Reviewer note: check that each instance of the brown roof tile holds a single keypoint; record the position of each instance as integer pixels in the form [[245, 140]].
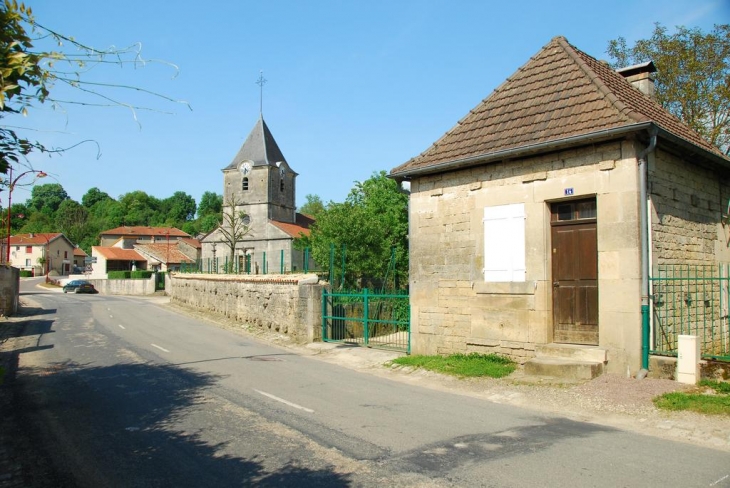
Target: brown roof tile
[[164, 253], [145, 231], [560, 93], [36, 239], [118, 254], [295, 229]]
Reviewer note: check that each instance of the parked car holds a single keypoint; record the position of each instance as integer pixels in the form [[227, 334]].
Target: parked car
[[79, 286]]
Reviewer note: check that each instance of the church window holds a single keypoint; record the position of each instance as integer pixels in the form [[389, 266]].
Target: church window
[[244, 184], [281, 185]]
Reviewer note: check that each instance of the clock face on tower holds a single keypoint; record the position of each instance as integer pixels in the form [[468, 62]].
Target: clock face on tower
[[246, 168]]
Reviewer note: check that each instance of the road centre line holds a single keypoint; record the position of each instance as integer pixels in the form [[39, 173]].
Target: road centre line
[[285, 402], [121, 326], [160, 348]]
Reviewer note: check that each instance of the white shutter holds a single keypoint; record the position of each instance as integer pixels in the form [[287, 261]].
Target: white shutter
[[504, 243]]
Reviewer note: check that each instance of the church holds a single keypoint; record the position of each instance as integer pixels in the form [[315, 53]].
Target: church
[[259, 206]]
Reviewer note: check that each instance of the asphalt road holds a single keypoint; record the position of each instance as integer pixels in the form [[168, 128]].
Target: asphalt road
[[119, 391]]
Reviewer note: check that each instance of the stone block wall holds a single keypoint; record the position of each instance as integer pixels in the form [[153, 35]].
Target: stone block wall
[[688, 203], [288, 304], [9, 290]]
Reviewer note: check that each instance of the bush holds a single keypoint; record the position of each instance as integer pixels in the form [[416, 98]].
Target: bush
[[24, 273], [141, 275], [119, 275]]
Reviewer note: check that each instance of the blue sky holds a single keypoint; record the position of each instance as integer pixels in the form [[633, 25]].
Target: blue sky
[[353, 87]]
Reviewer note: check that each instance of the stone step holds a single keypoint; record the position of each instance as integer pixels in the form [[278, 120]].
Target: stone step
[[572, 351], [563, 368]]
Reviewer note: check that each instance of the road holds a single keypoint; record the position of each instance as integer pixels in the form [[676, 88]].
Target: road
[[120, 391]]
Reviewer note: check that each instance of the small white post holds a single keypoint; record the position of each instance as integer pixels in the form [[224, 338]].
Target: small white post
[[688, 359]]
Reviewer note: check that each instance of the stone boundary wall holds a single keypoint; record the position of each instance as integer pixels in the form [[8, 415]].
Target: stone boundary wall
[[9, 290], [288, 304], [119, 287]]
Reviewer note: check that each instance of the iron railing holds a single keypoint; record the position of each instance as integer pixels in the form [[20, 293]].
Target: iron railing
[[359, 317], [248, 264], [691, 300]]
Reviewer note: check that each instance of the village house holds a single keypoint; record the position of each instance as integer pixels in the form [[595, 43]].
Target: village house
[[260, 184], [129, 248], [539, 220], [42, 253]]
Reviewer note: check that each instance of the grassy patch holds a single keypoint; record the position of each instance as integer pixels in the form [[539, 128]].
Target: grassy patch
[[715, 400], [462, 365]]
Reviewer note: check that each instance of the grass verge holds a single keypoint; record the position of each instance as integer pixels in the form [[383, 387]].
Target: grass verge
[[462, 365], [711, 398]]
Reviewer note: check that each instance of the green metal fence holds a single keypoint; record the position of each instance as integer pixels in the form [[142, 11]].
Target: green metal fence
[[248, 264], [375, 320], [691, 300]]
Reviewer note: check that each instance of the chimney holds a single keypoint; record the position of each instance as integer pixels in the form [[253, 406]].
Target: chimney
[[640, 75]]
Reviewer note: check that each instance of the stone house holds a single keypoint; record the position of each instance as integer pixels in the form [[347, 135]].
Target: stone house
[[143, 248], [42, 253], [536, 221], [260, 183]]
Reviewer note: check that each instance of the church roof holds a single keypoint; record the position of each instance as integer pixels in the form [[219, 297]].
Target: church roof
[[561, 96], [260, 147], [296, 229]]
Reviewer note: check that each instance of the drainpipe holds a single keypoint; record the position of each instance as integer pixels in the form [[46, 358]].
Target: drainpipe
[[644, 225]]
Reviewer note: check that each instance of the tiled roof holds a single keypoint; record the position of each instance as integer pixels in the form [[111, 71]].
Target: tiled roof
[[163, 253], [190, 241], [142, 231], [560, 93], [259, 147], [118, 254], [295, 229], [41, 238], [79, 252]]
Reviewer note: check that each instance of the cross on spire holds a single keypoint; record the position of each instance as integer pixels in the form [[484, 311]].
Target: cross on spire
[[261, 82]]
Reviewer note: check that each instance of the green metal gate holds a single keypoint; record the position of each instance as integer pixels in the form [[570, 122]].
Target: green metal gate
[[374, 320], [692, 300]]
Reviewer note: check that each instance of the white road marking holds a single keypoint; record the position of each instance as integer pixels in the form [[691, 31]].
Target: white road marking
[[285, 402], [721, 479], [121, 326], [160, 348]]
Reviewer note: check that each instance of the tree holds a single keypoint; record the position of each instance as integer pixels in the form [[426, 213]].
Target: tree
[[313, 206], [93, 196], [235, 226], [47, 198], [72, 219], [210, 203], [372, 225], [178, 209], [29, 75], [693, 76], [140, 208]]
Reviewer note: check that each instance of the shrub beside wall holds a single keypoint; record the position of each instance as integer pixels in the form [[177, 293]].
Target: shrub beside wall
[[119, 275]]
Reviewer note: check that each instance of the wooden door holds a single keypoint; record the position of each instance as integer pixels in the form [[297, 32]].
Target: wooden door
[[575, 272]]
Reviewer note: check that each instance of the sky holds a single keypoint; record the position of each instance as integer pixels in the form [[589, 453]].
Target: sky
[[352, 87]]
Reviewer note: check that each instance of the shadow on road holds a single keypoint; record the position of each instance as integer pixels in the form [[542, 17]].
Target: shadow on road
[[120, 425]]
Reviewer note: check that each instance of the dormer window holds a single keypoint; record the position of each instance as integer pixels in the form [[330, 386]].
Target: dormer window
[[244, 184]]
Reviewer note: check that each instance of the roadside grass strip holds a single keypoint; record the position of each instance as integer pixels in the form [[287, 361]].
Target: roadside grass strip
[[462, 365], [710, 398]]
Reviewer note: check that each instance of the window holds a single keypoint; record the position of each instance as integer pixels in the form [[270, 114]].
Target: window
[[281, 185], [29, 249], [577, 210], [244, 184], [504, 243], [65, 254], [27, 262]]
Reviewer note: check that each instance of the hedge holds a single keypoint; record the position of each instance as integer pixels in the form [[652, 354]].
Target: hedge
[[126, 275], [24, 273]]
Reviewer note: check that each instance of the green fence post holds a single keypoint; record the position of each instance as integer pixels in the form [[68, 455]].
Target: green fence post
[[306, 260], [324, 315], [344, 249], [281, 262], [366, 313]]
